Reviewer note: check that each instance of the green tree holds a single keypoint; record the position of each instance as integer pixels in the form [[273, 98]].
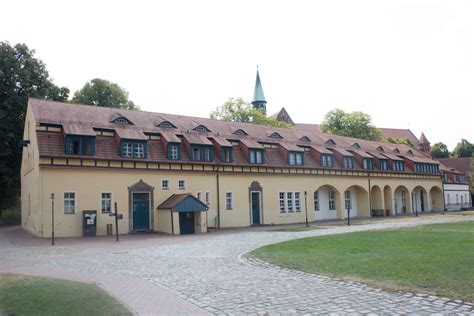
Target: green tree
[[439, 150], [463, 149], [22, 75], [104, 93], [354, 124], [400, 140], [238, 110]]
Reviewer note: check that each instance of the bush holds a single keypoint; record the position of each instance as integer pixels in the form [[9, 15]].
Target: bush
[[11, 216]]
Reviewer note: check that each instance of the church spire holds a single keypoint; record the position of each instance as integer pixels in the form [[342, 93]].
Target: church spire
[[258, 100]]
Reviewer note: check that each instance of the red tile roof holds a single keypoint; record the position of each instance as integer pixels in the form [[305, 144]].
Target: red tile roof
[[78, 129], [107, 147], [461, 164]]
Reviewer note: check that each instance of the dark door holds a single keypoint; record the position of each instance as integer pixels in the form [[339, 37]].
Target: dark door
[[186, 223], [141, 211], [255, 208]]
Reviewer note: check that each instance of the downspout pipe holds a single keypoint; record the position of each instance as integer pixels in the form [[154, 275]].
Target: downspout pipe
[[218, 200], [370, 195]]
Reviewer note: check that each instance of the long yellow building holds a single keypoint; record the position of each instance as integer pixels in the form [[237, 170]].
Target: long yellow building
[[179, 174]]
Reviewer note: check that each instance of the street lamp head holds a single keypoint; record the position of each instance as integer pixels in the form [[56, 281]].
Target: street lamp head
[[305, 193], [52, 196]]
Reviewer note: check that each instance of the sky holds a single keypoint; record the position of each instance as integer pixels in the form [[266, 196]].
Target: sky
[[408, 64]]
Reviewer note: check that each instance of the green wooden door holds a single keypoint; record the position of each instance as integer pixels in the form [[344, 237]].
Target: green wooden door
[[141, 211], [255, 208], [186, 223]]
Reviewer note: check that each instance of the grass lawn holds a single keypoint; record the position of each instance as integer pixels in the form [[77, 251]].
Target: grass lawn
[[24, 295], [436, 259]]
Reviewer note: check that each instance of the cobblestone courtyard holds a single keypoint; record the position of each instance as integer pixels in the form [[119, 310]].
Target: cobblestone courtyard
[[213, 273]]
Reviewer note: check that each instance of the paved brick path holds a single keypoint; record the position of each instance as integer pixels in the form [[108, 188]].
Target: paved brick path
[[214, 275]]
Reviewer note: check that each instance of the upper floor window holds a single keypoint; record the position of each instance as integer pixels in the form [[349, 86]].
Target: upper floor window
[[255, 155], [348, 162], [106, 202], [462, 178], [181, 184], [368, 164], [330, 142], [295, 159], [275, 135], [121, 121], [380, 148], [383, 164], [129, 149], [80, 145], [305, 139], [445, 177], [174, 151], [327, 161], [240, 132], [201, 153], [226, 154], [201, 128], [166, 124], [398, 165], [356, 145]]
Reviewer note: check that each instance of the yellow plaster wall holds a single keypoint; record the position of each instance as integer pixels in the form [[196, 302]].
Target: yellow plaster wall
[[31, 179], [163, 221], [89, 183]]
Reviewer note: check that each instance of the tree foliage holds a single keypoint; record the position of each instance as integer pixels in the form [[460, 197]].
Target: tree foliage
[[463, 149], [354, 124], [400, 140], [104, 93], [439, 150], [21, 76], [238, 110]]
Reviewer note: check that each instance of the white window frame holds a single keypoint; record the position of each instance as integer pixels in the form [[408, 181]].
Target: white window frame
[[297, 203], [292, 159], [167, 186], [139, 150], [102, 199], [348, 199], [282, 201], [74, 200], [229, 201], [299, 159], [316, 201], [199, 195], [332, 200], [289, 202], [128, 150], [181, 187], [174, 152]]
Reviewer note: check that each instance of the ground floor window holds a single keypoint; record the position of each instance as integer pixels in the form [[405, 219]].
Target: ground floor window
[[404, 198], [106, 202], [298, 201], [289, 201], [332, 200], [316, 201], [69, 202], [228, 201], [347, 200], [282, 202], [208, 198]]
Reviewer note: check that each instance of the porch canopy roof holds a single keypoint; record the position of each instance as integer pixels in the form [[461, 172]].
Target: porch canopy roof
[[185, 202]]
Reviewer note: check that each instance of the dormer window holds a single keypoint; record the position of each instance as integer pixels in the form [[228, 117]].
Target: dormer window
[[201, 128], [201, 153], [380, 148], [396, 150], [295, 158], [80, 145], [327, 161], [330, 142], [256, 156], [368, 164], [166, 124], [305, 139], [275, 135], [410, 152], [121, 120], [355, 145], [240, 132]]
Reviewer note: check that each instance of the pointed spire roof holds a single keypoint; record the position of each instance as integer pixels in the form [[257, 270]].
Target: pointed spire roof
[[423, 139], [258, 95]]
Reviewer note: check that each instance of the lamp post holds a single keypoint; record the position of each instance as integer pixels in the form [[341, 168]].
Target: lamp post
[[52, 218], [306, 207], [348, 217]]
